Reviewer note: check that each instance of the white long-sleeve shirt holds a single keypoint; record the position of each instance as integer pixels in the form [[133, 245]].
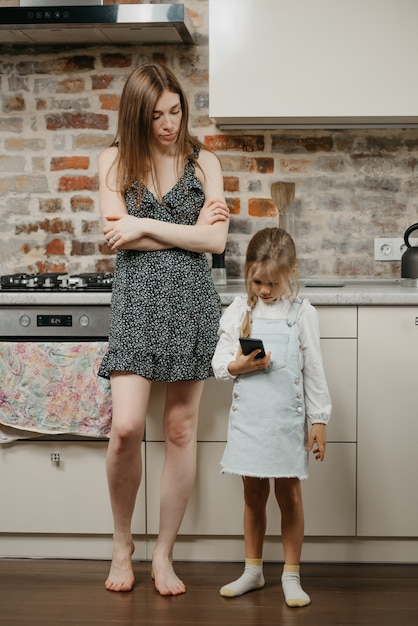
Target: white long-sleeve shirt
[[317, 398]]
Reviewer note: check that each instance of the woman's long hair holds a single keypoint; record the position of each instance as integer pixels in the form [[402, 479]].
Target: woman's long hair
[[136, 156], [271, 250]]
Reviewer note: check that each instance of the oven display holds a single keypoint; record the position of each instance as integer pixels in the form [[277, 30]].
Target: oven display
[[74, 322], [54, 320]]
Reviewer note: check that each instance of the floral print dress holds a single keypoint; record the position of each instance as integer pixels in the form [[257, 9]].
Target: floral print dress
[[165, 310]]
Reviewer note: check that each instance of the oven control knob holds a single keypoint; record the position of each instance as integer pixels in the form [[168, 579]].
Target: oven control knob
[[24, 320], [84, 320]]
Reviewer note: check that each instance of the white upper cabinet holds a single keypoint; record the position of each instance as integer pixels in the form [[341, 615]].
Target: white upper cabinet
[[313, 63]]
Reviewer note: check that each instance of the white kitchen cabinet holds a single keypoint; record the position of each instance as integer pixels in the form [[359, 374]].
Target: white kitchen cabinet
[[216, 504], [67, 503], [338, 330], [330, 492], [278, 63], [388, 422], [70, 495]]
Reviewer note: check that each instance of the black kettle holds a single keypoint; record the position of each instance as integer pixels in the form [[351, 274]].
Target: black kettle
[[409, 261]]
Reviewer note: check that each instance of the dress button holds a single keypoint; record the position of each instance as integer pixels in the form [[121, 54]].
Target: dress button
[[236, 394], [299, 409], [298, 395], [234, 407]]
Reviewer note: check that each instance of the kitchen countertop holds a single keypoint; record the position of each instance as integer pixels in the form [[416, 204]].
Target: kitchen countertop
[[331, 292], [320, 292]]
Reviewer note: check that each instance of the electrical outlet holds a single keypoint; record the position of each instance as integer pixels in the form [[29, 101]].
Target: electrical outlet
[[399, 246], [391, 248], [383, 249]]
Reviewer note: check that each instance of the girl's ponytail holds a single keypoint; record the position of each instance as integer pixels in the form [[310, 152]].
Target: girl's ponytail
[[246, 324], [246, 321]]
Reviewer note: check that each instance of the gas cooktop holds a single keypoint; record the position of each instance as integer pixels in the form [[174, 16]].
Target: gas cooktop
[[88, 281]]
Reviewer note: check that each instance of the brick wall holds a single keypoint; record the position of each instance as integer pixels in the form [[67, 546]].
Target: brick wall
[[58, 110]]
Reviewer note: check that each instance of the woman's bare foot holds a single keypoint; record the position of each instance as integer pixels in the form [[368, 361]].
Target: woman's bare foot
[[166, 581], [121, 576]]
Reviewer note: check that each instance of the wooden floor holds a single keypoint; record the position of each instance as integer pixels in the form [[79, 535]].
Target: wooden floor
[[71, 592]]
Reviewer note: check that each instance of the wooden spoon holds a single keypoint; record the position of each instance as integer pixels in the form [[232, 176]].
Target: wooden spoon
[[283, 194]]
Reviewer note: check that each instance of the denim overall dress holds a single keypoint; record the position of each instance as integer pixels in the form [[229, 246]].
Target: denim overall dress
[[267, 430]]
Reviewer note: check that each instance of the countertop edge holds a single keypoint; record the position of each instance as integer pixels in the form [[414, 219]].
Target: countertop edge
[[361, 293], [390, 293]]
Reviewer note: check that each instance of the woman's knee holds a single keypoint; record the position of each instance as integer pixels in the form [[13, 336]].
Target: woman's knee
[[180, 429], [181, 412], [130, 397], [126, 433], [125, 448]]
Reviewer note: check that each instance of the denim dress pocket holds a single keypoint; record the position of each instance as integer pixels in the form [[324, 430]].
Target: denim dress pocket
[[278, 345]]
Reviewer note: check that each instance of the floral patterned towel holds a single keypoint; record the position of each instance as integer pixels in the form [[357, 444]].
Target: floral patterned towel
[[53, 388]]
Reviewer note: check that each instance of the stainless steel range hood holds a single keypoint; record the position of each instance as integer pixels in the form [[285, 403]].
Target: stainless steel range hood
[[96, 24]]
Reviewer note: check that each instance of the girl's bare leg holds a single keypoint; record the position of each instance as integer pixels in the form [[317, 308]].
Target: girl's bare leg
[[130, 396], [256, 492], [180, 430], [289, 497]]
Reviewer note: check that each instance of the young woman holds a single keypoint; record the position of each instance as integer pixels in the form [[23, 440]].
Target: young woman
[[275, 398], [161, 199]]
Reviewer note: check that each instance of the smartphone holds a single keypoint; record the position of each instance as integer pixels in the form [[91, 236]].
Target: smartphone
[[248, 345]]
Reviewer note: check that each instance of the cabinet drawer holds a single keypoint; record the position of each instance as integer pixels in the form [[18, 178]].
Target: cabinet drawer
[[329, 495], [337, 321], [39, 495], [340, 365]]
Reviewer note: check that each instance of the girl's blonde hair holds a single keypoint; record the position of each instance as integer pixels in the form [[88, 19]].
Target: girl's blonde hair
[[271, 250], [136, 156]]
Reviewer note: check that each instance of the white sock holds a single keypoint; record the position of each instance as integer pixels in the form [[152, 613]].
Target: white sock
[[293, 592], [252, 578]]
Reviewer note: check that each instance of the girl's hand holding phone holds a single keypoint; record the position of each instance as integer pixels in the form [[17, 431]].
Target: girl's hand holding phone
[[250, 362]]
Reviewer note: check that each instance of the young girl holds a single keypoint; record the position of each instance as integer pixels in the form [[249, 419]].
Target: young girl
[[274, 400]]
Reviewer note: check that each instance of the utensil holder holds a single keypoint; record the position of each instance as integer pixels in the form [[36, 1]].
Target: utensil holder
[[287, 222]]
